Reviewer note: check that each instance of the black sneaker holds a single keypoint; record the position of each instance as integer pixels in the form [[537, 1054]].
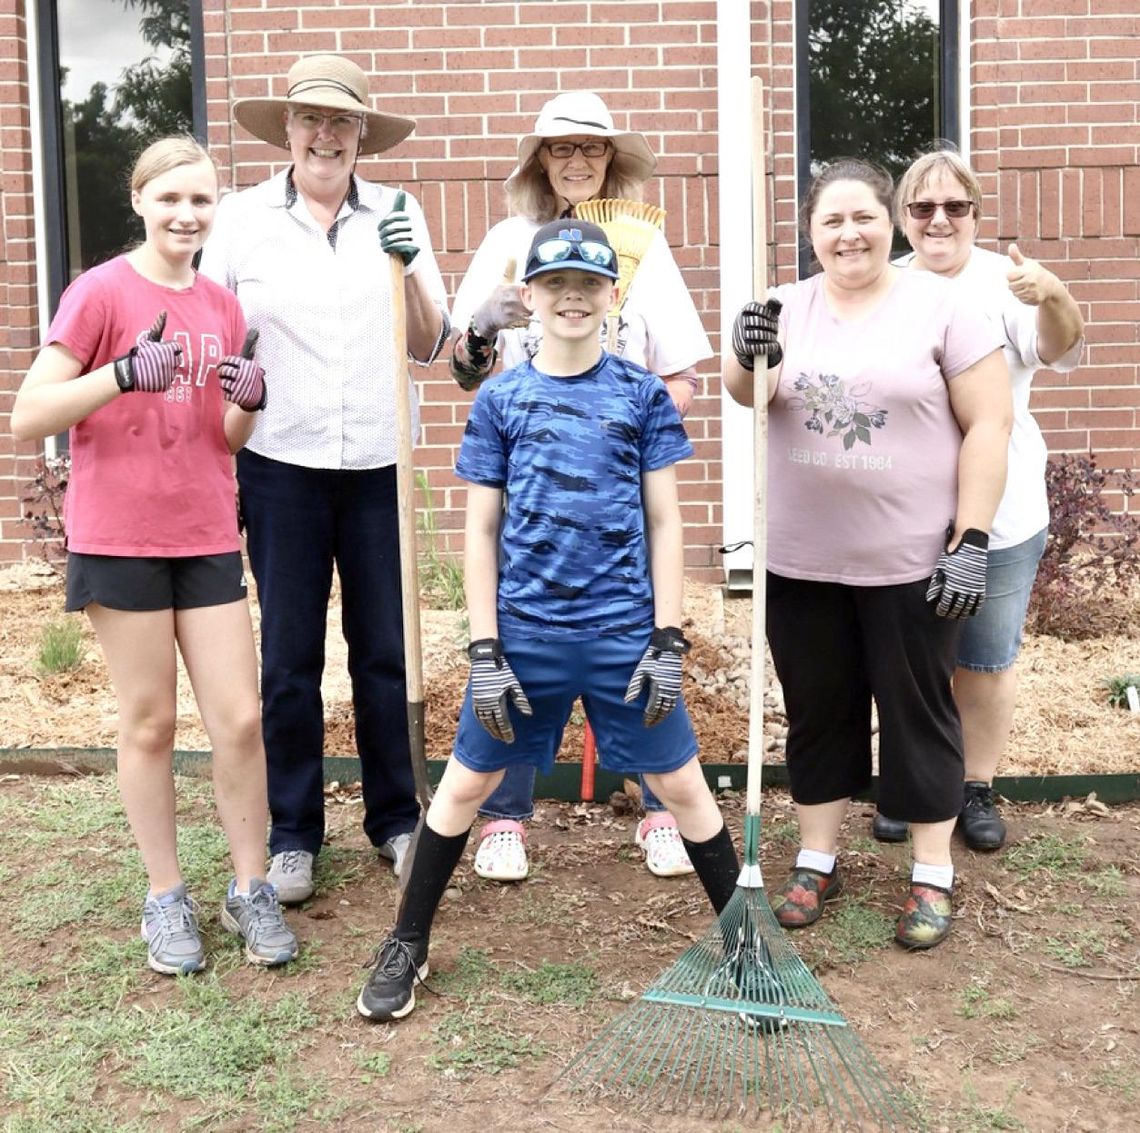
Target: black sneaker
[[981, 825], [886, 829], [389, 993]]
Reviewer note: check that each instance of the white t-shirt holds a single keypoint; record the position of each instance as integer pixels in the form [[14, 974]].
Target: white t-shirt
[[659, 327], [1024, 507]]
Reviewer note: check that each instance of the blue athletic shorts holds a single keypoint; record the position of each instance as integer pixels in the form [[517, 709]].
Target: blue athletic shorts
[[553, 675], [991, 639]]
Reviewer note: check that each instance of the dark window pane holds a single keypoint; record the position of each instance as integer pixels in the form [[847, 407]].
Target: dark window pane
[[874, 67], [124, 81]]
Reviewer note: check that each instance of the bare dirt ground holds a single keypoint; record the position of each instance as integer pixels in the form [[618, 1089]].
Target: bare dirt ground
[[1028, 1017]]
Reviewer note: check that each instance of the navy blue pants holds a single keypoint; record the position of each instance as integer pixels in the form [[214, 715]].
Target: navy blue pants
[[299, 523]]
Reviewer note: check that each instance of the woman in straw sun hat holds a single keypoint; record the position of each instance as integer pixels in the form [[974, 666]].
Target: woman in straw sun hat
[[574, 154], [306, 253]]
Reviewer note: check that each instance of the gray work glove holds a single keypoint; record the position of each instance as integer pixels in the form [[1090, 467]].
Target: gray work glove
[[755, 330], [150, 366], [660, 670], [396, 231], [958, 583], [493, 682]]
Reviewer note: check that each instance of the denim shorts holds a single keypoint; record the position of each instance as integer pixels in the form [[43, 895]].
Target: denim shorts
[[991, 639], [125, 582], [553, 675]]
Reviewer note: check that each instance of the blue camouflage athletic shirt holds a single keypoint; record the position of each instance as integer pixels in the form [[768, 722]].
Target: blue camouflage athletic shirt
[[570, 454]]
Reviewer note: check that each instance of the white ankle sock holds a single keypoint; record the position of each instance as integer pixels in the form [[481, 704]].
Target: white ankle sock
[[940, 875], [814, 859]]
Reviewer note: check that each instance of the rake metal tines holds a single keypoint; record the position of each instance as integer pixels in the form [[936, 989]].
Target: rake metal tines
[[739, 1024]]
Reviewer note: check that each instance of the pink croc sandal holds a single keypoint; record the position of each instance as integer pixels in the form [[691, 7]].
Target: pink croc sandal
[[502, 851], [665, 853]]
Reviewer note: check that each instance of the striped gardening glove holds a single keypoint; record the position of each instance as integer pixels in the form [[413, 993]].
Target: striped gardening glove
[[755, 331], [958, 583], [149, 367], [660, 670], [493, 683], [242, 379]]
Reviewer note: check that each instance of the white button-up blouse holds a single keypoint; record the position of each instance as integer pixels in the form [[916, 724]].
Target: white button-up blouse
[[323, 311]]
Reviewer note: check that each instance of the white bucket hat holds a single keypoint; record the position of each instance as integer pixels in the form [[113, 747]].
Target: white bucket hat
[[580, 112], [330, 82]]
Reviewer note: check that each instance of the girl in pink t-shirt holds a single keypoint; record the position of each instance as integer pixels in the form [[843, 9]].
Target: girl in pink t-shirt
[[890, 413], [144, 363]]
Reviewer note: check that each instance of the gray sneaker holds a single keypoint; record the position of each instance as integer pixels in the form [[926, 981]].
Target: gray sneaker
[[395, 849], [170, 929], [257, 919], [291, 874]]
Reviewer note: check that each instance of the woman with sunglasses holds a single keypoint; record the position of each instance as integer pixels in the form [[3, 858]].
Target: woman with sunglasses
[[575, 154], [938, 206], [889, 418], [307, 253]]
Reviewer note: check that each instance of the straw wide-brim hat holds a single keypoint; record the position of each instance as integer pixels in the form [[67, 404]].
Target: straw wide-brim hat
[[329, 82], [580, 112]]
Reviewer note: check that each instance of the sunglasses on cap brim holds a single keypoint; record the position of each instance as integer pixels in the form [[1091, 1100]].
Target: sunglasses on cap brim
[[924, 210], [588, 251]]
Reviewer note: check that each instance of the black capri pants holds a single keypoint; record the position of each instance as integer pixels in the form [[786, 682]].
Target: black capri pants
[[837, 646]]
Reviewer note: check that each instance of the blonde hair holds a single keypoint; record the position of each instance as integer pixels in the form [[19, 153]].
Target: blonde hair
[[164, 155], [529, 194], [925, 169]]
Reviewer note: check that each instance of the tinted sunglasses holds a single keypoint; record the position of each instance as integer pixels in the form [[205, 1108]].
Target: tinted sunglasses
[[588, 251], [566, 149], [924, 210]]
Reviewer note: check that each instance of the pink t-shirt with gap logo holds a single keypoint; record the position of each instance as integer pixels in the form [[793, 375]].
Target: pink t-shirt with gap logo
[[151, 474], [862, 443]]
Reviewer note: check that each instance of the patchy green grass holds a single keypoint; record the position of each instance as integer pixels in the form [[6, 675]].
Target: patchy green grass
[[851, 930], [476, 1041], [62, 646], [570, 985], [978, 1002], [1059, 858], [977, 1117], [1076, 949]]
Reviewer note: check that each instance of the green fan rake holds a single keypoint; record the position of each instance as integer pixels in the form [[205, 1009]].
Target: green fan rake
[[739, 1024]]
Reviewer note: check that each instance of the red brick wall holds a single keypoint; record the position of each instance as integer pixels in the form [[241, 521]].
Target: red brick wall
[[18, 333], [1056, 140], [474, 76], [1055, 91]]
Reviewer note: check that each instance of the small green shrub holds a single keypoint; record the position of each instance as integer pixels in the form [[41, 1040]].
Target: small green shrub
[[61, 646], [1118, 688], [441, 574]]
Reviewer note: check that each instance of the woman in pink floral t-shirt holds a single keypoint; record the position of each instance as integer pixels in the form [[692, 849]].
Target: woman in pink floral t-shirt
[[890, 413]]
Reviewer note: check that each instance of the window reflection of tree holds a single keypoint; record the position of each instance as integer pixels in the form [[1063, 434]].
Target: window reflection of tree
[[874, 82], [106, 130]]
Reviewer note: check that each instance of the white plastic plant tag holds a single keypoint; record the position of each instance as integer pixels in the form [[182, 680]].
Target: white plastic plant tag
[[1133, 698]]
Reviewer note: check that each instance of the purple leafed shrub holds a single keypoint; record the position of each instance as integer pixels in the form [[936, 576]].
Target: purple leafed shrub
[[43, 513], [1092, 553]]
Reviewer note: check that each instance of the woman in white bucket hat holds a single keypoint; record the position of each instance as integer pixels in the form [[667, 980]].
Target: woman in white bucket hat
[[574, 154], [307, 252]]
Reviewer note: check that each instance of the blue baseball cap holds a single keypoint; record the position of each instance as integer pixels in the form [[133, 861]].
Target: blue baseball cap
[[571, 244]]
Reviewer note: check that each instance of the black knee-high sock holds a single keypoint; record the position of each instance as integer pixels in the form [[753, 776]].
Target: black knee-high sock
[[717, 866], [434, 862]]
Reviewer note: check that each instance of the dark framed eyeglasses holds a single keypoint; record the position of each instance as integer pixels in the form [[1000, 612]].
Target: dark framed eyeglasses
[[588, 251], [598, 148], [955, 210]]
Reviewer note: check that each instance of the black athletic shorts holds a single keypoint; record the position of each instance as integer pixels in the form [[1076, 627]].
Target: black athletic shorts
[[122, 582]]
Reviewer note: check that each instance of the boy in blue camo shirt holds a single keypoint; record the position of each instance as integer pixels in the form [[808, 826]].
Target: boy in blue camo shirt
[[586, 602]]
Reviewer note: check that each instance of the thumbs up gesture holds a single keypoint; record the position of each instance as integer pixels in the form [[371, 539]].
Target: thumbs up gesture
[[150, 366], [1030, 282], [242, 379], [503, 307]]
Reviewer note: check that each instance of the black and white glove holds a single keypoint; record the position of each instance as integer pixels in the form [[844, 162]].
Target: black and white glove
[[958, 583], [493, 682], [150, 366], [660, 669], [755, 330], [242, 379]]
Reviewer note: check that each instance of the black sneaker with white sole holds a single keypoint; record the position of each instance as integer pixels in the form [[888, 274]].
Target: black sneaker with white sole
[[389, 993]]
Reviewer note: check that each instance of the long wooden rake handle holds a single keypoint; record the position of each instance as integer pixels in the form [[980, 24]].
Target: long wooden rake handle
[[409, 567], [760, 458]]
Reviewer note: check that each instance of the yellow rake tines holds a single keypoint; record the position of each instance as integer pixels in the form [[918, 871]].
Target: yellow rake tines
[[630, 227]]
